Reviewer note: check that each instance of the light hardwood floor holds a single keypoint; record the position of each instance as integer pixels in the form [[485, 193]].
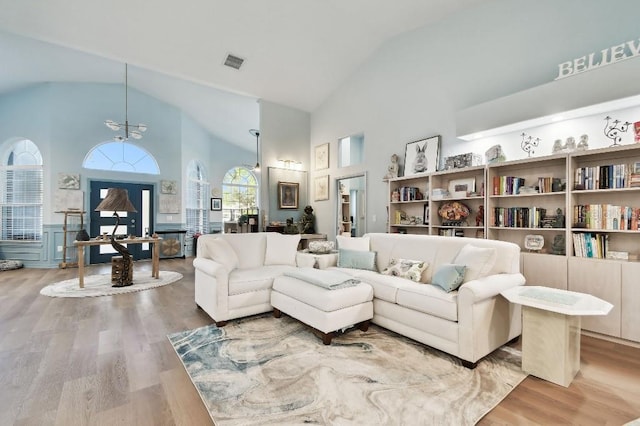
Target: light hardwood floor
[[106, 360]]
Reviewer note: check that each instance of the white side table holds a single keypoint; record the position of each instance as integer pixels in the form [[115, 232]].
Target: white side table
[[551, 329], [304, 259]]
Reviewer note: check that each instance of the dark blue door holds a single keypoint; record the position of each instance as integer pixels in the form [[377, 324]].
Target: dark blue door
[[141, 196]]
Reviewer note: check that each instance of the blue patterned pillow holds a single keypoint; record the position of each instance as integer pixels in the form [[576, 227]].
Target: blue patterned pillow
[[449, 276], [357, 259]]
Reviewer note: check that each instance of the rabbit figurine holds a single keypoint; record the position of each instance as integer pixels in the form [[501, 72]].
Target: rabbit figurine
[[420, 162]]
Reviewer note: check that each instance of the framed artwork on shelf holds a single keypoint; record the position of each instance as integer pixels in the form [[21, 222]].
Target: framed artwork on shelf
[[425, 214], [288, 195], [460, 186], [321, 185], [216, 204], [322, 156], [422, 156]]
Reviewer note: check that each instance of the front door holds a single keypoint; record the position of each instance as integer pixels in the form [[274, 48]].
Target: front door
[[141, 196]]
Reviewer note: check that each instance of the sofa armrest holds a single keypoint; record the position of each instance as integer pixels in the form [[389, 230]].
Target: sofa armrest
[[486, 287], [210, 267]]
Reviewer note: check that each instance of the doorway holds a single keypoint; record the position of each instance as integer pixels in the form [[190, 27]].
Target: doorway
[[352, 201], [138, 223]]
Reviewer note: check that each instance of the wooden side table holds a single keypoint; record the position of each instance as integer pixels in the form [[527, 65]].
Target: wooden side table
[[551, 329]]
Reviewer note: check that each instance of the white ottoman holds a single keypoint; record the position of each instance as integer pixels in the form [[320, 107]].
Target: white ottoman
[[325, 310]]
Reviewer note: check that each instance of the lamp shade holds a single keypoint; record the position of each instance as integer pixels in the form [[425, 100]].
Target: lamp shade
[[117, 199]]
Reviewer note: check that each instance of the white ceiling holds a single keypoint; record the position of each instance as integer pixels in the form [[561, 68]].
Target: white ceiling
[[297, 51]]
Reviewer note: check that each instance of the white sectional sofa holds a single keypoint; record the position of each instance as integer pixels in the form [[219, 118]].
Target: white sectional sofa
[[233, 278]]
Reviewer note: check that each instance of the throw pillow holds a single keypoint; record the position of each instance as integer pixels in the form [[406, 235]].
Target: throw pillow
[[221, 251], [405, 268], [357, 259], [353, 243], [281, 249], [478, 260], [449, 276], [321, 247]]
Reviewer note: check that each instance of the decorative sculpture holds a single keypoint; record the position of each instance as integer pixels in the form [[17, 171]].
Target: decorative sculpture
[[291, 228], [307, 221], [528, 143], [583, 145], [392, 170], [613, 129]]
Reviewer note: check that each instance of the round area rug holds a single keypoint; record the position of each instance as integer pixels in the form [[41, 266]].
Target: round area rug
[[100, 285]]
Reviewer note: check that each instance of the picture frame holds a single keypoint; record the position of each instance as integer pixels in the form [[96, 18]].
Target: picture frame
[[68, 181], [321, 188], [425, 214], [216, 204], [288, 195], [422, 156], [168, 187], [467, 185], [322, 156]]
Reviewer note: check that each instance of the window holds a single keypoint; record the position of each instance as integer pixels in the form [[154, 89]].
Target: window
[[239, 194], [21, 176], [350, 150], [121, 157], [197, 199]]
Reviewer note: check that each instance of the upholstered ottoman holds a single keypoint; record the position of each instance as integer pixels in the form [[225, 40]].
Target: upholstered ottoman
[[323, 309]]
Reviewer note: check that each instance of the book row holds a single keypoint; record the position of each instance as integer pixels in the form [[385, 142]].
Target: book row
[[610, 176], [588, 244], [518, 217], [606, 216]]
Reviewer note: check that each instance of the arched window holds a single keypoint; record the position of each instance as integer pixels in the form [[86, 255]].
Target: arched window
[[121, 157], [239, 194], [21, 176], [197, 198]]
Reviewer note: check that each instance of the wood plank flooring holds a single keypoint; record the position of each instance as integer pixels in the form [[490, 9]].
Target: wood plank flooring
[[106, 360]]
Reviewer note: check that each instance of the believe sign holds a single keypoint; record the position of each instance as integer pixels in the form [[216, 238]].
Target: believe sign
[[609, 56]]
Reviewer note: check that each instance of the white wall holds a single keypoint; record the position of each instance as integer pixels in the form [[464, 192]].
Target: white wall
[[412, 86]]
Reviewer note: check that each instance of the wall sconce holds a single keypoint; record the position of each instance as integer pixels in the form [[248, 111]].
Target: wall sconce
[[290, 164]]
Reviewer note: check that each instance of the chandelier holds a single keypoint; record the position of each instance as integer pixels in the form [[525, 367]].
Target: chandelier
[[130, 130]]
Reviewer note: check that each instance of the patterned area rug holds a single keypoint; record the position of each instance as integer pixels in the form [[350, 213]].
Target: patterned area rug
[[100, 285], [262, 370]]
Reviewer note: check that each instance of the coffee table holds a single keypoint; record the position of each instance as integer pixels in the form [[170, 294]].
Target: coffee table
[[551, 329]]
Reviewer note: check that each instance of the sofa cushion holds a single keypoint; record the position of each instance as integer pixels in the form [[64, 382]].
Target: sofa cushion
[[254, 279], [449, 276], [281, 249], [430, 300], [406, 268], [478, 260], [385, 287], [353, 243], [357, 259], [249, 248], [221, 251]]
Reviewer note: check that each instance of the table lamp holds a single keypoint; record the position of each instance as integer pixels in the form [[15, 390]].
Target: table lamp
[[117, 199]]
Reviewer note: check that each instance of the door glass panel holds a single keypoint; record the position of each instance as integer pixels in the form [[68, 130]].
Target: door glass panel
[[146, 215], [106, 249]]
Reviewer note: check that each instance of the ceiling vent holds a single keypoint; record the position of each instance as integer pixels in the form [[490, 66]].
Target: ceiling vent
[[233, 61]]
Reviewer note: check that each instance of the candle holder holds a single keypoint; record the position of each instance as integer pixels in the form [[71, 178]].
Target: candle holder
[[613, 129], [528, 143]]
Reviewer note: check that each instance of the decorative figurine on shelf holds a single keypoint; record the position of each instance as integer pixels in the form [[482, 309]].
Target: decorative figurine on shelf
[[392, 170], [495, 154], [395, 196], [307, 221], [583, 145], [558, 246], [291, 228], [480, 216], [613, 129], [559, 222], [529, 143], [570, 145], [557, 146]]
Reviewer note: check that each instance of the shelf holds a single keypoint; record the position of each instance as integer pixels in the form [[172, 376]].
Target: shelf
[[513, 228], [606, 231], [537, 194], [474, 197], [410, 202], [457, 227], [395, 225]]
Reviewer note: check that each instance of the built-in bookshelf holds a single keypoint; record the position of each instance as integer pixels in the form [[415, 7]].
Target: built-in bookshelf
[[585, 205]]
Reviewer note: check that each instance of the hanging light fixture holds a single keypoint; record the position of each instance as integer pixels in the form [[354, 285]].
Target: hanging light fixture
[[256, 133], [130, 130]]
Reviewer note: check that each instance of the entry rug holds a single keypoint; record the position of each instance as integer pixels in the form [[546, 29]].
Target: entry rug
[[267, 371], [100, 285]]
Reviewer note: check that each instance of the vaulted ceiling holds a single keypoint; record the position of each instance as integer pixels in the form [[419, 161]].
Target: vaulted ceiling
[[297, 52]]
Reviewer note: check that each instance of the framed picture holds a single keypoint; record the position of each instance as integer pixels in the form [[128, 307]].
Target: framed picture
[[422, 156], [321, 185], [68, 181], [462, 185], [168, 187], [425, 214], [216, 204], [288, 194], [322, 156]]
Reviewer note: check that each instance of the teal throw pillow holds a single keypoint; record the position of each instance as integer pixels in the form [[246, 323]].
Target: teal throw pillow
[[449, 276], [357, 259]]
